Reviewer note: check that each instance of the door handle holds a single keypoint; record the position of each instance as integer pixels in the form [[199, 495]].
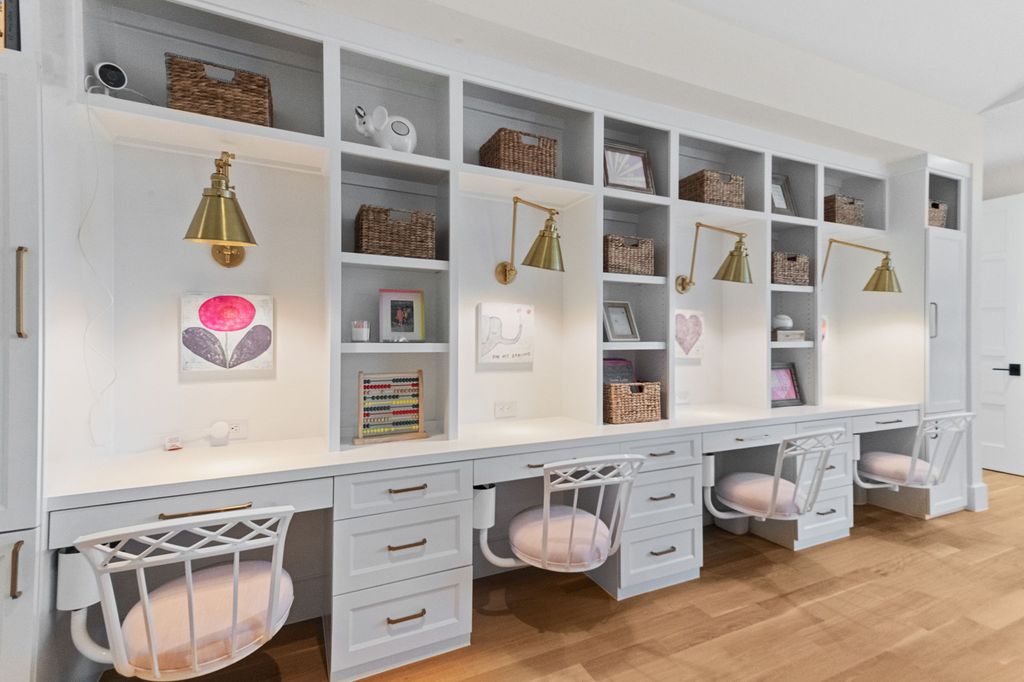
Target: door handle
[[935, 319], [15, 561], [1013, 369], [19, 291]]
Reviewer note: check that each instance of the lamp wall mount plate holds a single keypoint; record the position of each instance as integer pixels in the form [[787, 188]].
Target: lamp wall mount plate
[[228, 256]]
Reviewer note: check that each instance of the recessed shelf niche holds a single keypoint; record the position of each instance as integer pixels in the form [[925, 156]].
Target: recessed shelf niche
[[870, 190], [653, 140], [420, 96], [803, 185], [696, 154], [640, 220], [648, 365], [136, 36], [946, 190]]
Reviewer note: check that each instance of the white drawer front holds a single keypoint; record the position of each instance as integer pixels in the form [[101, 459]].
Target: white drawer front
[[68, 525], [660, 551], [664, 496], [884, 422], [666, 453], [384, 548], [719, 441], [838, 471], [428, 610], [528, 465], [827, 424], [833, 512], [392, 490]]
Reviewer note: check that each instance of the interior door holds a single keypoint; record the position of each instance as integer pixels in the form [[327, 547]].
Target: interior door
[[999, 335], [19, 293], [947, 320]]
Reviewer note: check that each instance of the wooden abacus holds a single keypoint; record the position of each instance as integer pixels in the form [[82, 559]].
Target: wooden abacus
[[390, 407]]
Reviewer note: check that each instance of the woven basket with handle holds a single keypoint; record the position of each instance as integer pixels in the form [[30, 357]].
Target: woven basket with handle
[[937, 211], [217, 90], [791, 268], [628, 255], [713, 187], [380, 231], [844, 210], [514, 150], [632, 403]]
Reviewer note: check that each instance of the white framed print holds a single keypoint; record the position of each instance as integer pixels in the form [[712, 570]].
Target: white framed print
[[619, 324], [402, 315], [504, 334], [689, 334], [226, 333]]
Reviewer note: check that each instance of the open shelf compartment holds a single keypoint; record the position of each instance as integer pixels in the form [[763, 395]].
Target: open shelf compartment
[[648, 222], [869, 189], [653, 140], [696, 154], [801, 179], [947, 191]]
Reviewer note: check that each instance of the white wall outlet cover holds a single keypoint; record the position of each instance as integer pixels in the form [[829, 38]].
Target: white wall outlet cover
[[505, 409]]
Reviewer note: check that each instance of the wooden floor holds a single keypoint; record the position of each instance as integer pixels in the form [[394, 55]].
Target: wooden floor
[[902, 599]]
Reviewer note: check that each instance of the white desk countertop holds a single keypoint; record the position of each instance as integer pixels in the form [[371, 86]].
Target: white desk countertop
[[198, 468]]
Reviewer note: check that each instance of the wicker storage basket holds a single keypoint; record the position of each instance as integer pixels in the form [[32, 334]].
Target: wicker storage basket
[[246, 97], [379, 233], [514, 150], [937, 211], [843, 209], [628, 255], [632, 403], [791, 268], [713, 187]]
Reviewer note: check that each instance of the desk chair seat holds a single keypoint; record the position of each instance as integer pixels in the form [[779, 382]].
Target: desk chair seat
[[526, 535], [891, 467], [751, 493], [212, 588]]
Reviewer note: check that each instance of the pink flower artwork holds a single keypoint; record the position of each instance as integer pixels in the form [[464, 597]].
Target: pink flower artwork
[[227, 313], [226, 332]]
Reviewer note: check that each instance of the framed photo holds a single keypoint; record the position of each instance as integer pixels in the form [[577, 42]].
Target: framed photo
[[619, 324], [689, 334], [782, 195], [401, 315], [628, 167], [504, 334], [785, 387]]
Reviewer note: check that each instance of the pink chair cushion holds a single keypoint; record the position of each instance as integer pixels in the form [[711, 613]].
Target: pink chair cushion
[[894, 466], [212, 588], [526, 535], [750, 491]]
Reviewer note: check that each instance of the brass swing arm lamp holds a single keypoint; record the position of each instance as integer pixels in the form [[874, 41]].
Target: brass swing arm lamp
[[735, 268], [546, 251], [883, 279], [219, 220]]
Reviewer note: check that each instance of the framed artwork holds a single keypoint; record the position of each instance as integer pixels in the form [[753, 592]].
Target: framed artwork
[[390, 407], [401, 315], [628, 167], [226, 332], [504, 334], [785, 387], [782, 195], [689, 334], [619, 324]]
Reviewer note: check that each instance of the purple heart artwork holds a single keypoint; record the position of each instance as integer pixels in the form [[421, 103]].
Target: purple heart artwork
[[226, 332], [689, 333]]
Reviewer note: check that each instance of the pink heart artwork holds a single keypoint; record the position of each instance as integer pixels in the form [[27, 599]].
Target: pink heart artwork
[[689, 329]]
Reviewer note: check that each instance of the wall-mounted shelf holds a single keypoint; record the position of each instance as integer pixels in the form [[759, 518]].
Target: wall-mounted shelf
[[624, 197], [792, 344], [370, 260], [494, 182], [633, 345], [792, 288], [384, 157], [723, 216], [633, 279], [410, 347]]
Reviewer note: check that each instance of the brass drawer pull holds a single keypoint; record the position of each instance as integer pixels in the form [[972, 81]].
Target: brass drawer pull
[[399, 548], [667, 453], [19, 286], [204, 512], [15, 560], [826, 513], [412, 489], [830, 467], [744, 440], [534, 466], [662, 498], [663, 552], [890, 421], [413, 616]]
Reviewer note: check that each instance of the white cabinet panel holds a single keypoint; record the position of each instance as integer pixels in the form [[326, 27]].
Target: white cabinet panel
[[18, 553], [946, 284]]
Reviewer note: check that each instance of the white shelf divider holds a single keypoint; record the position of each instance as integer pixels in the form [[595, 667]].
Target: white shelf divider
[[793, 288], [633, 345], [369, 260], [792, 344], [636, 198], [363, 348], [633, 279]]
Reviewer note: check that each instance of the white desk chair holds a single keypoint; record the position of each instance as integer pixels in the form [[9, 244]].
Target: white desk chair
[[771, 496], [892, 470], [565, 538], [203, 621]]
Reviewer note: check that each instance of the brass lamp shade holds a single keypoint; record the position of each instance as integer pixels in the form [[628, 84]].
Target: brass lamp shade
[[736, 267], [546, 251], [219, 219], [884, 279]]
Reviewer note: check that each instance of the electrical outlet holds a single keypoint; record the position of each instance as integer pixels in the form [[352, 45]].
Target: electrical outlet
[[682, 397], [238, 429], [503, 409]]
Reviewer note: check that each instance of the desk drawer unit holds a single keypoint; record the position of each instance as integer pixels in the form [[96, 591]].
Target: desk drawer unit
[[884, 422], [838, 471], [531, 464], [663, 496], [68, 525], [653, 557], [375, 492], [720, 441], [827, 424], [666, 453], [384, 627], [832, 515], [384, 548]]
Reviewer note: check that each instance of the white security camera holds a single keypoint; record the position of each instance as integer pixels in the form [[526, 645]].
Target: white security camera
[[110, 75]]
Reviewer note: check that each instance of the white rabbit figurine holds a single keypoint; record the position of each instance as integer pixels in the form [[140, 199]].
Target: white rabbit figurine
[[387, 132]]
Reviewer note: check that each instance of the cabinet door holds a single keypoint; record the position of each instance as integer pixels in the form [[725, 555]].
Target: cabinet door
[[17, 613], [19, 297], [947, 320]]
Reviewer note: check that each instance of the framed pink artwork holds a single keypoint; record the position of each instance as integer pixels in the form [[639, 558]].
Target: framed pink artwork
[[785, 387]]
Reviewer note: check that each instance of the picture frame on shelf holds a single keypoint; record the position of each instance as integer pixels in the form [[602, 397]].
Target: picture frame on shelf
[[627, 167], [785, 386], [619, 323], [402, 317], [783, 202]]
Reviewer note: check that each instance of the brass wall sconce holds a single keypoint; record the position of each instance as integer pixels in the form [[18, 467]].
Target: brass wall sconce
[[735, 268], [219, 220], [545, 253], [883, 279]]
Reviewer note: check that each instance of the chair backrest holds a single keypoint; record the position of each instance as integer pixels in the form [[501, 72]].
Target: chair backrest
[[799, 448], [139, 548], [613, 471], [945, 432]]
